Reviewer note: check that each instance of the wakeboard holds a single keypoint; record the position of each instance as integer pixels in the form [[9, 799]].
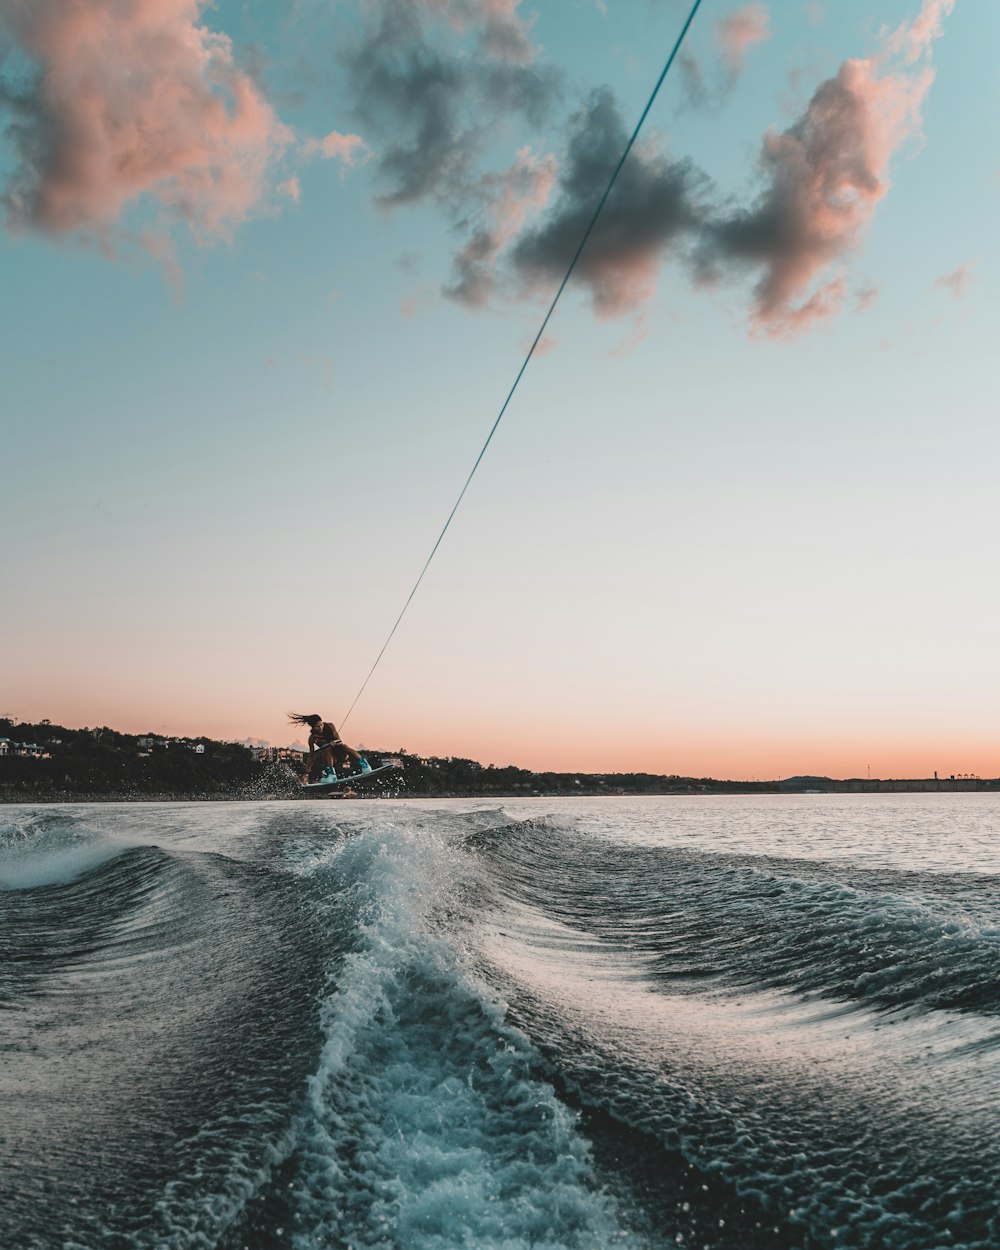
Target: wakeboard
[[347, 778]]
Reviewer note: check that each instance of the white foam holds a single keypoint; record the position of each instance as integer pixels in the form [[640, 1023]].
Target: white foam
[[429, 1124]]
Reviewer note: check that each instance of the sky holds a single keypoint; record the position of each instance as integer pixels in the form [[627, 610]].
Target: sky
[[269, 272]]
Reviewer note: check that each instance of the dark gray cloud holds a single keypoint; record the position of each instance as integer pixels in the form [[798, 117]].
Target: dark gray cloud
[[655, 205], [430, 78]]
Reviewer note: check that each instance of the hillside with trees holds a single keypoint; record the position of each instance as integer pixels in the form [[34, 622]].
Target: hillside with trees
[[46, 761], [42, 762]]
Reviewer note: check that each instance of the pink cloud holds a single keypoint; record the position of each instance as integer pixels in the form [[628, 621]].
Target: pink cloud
[[914, 39], [738, 32], [825, 176], [957, 281], [133, 98], [292, 188], [335, 146]]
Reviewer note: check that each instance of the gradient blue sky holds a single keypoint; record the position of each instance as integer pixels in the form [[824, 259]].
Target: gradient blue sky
[[705, 539]]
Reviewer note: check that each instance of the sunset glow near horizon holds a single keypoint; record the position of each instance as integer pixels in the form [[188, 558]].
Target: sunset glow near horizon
[[268, 278]]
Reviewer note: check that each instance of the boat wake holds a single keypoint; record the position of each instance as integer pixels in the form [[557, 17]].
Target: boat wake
[[395, 1026]]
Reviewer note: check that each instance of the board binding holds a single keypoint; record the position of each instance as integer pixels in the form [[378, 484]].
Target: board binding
[[347, 778]]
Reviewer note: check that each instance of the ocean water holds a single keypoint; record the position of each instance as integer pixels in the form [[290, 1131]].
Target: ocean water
[[713, 1022]]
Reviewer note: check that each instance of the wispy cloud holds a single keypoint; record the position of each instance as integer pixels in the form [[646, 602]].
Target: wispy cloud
[[128, 100], [866, 298], [736, 34], [349, 149], [505, 201], [913, 40], [957, 282]]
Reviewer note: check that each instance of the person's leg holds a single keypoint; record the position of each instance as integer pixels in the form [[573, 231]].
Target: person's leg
[[318, 763], [347, 757]]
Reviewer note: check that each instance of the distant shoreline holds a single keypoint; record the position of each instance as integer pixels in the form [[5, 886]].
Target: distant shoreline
[[45, 763]]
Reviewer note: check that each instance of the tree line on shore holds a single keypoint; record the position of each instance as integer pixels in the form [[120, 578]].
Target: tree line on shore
[[103, 763]]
